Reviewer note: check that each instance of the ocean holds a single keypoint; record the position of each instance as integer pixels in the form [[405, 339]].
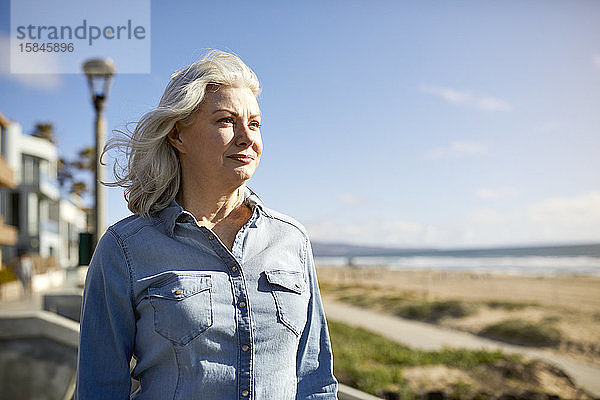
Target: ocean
[[529, 266], [530, 261]]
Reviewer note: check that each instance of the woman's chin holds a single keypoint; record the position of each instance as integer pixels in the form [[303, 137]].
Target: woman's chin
[[244, 173]]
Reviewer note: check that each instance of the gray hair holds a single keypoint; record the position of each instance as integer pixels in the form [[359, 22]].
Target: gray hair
[[152, 173]]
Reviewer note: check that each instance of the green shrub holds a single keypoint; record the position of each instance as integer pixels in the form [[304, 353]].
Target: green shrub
[[436, 310], [373, 363], [509, 305], [326, 287], [551, 319], [6, 275], [523, 332], [403, 304], [358, 300]]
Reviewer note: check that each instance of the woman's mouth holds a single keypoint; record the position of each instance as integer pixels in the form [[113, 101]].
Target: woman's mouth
[[243, 158]]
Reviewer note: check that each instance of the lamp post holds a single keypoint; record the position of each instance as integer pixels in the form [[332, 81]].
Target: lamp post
[[99, 72]]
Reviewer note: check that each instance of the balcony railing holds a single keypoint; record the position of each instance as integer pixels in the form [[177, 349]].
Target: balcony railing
[[8, 234], [49, 226], [49, 187]]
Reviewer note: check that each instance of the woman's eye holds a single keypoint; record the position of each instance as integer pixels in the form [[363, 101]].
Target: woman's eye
[[255, 124], [227, 120]]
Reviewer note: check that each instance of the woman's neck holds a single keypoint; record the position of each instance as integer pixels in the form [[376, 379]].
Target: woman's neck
[[210, 205]]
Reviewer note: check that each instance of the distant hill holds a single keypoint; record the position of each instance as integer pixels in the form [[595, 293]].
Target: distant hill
[[321, 249]]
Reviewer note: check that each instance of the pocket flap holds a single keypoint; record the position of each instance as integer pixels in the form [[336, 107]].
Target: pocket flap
[[290, 280], [181, 286]]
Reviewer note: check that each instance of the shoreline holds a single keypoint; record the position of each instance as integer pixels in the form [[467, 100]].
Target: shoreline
[[514, 271], [574, 290]]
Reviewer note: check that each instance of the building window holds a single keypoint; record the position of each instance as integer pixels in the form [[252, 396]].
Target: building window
[[32, 214], [69, 240], [4, 205], [31, 169], [15, 207], [53, 210], [2, 141]]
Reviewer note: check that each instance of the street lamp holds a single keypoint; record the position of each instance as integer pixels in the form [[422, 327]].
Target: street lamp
[[99, 72]]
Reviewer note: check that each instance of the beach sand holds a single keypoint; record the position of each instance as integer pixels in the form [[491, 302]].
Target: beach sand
[[570, 303]]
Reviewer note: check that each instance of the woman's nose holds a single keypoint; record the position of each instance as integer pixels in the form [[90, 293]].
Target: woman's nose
[[244, 135]]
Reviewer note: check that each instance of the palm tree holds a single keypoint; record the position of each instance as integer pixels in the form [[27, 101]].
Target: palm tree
[[86, 160], [44, 131]]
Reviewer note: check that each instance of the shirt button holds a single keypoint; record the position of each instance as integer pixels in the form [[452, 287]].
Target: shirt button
[[245, 348], [245, 393], [242, 304], [234, 268], [297, 285], [178, 291], [211, 236]]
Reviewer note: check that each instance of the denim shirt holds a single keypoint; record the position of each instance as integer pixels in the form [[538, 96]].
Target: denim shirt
[[204, 322]]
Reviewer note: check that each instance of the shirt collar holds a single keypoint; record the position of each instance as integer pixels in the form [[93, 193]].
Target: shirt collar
[[173, 213]]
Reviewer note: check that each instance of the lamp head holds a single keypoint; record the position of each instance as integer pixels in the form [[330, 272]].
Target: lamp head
[[99, 71]]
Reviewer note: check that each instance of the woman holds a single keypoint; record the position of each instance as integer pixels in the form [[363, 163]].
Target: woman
[[214, 294], [25, 272]]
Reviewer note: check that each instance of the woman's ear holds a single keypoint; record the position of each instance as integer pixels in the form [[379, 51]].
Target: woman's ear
[[175, 138]]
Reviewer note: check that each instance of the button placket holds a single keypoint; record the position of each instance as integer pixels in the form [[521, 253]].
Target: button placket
[[245, 371]]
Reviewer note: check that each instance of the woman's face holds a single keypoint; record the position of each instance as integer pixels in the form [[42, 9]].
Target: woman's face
[[222, 145]]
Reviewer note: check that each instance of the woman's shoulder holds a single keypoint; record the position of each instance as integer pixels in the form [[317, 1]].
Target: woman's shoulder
[[131, 225], [279, 220], [285, 220]]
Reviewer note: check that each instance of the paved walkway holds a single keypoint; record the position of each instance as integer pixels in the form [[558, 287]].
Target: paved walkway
[[432, 337]]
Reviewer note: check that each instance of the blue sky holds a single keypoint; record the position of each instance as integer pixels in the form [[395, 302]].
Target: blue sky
[[405, 124]]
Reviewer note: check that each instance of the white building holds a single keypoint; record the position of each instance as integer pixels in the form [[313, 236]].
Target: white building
[[8, 234], [48, 223]]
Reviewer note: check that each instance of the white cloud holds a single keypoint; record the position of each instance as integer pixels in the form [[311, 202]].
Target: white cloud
[[453, 96], [492, 104], [36, 81], [575, 218], [578, 210], [568, 219], [450, 95], [457, 149], [496, 193], [376, 232], [553, 220]]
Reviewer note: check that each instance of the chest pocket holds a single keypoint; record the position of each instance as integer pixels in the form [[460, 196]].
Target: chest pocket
[[291, 298], [182, 306]]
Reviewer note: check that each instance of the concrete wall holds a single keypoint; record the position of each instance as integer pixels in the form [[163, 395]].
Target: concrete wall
[[66, 303], [38, 355], [36, 368]]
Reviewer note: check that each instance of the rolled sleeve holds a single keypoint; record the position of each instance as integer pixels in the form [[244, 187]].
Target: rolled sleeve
[[315, 359], [107, 329]]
